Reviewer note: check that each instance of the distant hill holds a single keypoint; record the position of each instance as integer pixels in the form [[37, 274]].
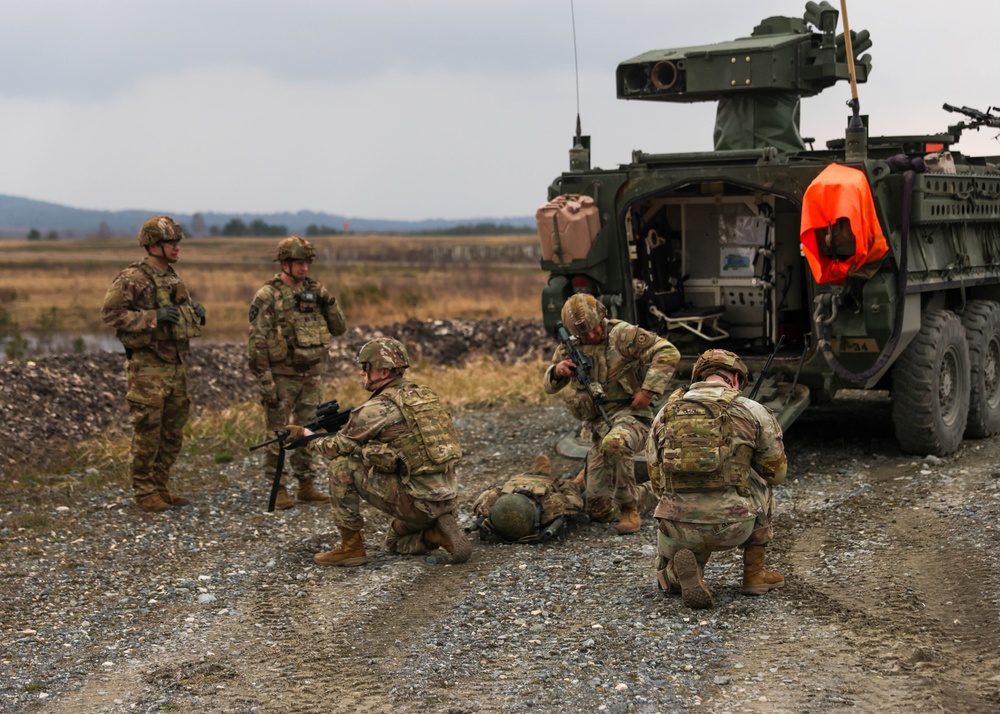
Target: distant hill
[[19, 215]]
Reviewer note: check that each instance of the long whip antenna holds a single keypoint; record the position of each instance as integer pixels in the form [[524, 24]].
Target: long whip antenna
[[576, 69]]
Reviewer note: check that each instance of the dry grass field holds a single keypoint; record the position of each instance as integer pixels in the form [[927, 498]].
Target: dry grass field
[[59, 286]]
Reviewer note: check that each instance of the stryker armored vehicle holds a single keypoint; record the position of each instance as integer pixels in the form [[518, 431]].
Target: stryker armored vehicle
[[873, 262]]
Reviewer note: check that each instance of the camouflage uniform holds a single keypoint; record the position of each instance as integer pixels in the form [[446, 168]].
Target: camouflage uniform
[[158, 401], [725, 511], [620, 357], [288, 348], [399, 452], [551, 498]]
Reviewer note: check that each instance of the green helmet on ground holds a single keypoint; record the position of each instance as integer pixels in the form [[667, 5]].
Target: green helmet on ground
[[295, 248], [384, 353], [514, 516], [711, 361], [583, 313], [159, 229]]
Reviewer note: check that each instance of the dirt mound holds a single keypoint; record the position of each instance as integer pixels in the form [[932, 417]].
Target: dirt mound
[[63, 398]]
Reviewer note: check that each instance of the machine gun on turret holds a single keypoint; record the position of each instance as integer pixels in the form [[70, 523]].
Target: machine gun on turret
[[979, 119]]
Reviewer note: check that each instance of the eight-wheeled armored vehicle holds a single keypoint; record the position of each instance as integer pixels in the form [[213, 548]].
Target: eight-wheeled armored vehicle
[[876, 259]]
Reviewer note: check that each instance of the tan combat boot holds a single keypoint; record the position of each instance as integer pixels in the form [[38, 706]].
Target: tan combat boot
[[694, 592], [630, 521], [446, 534], [173, 499], [310, 494], [351, 551], [756, 579], [284, 499], [580, 480], [152, 503]]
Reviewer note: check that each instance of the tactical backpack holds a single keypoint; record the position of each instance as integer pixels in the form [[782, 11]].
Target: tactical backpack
[[696, 452]]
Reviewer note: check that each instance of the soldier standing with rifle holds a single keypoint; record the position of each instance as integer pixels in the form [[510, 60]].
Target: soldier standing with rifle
[[616, 370], [714, 456], [291, 320], [154, 317]]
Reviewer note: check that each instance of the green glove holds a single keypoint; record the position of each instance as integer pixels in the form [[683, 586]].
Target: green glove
[[167, 314], [199, 310]]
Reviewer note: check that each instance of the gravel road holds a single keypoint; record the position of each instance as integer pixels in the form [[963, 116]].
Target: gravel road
[[892, 601]]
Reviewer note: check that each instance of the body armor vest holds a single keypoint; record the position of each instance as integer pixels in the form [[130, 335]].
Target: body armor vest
[[431, 440]]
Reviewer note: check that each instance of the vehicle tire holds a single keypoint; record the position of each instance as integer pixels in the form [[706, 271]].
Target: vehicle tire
[[982, 330], [930, 387]]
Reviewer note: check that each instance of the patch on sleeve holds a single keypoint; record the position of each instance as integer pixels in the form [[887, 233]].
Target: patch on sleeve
[[254, 311]]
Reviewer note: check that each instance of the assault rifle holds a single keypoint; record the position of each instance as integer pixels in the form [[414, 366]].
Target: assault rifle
[[760, 377], [584, 366], [329, 420]]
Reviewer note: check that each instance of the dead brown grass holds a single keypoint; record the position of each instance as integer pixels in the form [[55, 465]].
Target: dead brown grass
[[60, 286]]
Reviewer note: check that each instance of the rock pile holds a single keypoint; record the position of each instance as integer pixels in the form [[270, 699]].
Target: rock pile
[[62, 398]]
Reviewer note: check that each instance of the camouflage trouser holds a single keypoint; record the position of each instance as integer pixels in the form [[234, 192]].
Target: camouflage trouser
[[610, 477], [703, 539], [646, 498], [298, 397], [158, 407], [351, 481]]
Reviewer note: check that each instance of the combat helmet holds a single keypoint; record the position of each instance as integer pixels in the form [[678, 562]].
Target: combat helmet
[[159, 229], [583, 313], [514, 516], [711, 360], [294, 248], [384, 353]]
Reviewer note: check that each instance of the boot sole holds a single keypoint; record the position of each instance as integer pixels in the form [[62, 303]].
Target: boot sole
[[694, 592], [461, 548]]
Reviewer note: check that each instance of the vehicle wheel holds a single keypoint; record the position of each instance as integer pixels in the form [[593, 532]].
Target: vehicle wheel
[[982, 329], [930, 387]]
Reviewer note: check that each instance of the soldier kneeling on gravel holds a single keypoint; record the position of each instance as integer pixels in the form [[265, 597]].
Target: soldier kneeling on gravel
[[398, 451], [713, 457]]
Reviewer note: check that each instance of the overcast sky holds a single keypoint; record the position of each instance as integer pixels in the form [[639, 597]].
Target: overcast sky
[[405, 109]]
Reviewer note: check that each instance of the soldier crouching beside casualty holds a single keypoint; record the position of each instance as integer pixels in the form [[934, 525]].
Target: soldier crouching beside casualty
[[154, 318], [291, 320], [714, 456], [529, 507], [630, 367], [398, 451]]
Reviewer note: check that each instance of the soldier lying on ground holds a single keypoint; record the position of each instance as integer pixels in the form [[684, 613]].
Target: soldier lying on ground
[[537, 506]]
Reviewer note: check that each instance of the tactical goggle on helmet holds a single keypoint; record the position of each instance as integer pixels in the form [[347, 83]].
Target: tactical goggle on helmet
[[295, 248], [582, 313], [159, 229], [712, 360], [383, 353]]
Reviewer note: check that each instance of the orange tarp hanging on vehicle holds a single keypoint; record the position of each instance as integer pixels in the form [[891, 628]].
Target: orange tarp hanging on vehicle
[[839, 230]]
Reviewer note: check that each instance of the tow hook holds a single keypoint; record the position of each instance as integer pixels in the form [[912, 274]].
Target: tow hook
[[825, 304]]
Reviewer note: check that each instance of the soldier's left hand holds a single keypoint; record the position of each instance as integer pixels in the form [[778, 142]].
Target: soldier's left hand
[[564, 369], [199, 310], [295, 433], [641, 399]]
